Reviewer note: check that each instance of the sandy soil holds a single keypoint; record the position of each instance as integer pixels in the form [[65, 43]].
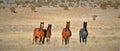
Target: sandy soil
[[16, 29]]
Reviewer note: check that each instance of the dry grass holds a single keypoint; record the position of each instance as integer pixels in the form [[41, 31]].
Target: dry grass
[[16, 29]]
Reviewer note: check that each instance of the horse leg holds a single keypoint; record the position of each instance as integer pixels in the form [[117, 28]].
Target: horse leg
[[43, 40], [49, 39], [33, 41], [65, 41], [68, 40], [38, 40], [85, 40], [62, 41], [46, 39], [80, 39]]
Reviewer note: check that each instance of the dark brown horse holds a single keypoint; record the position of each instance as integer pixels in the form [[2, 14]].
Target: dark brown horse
[[48, 32], [66, 33], [38, 35]]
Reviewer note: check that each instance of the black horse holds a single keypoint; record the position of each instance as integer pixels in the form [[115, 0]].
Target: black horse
[[83, 33]]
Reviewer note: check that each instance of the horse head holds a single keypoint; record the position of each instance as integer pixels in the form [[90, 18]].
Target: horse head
[[85, 25], [41, 25], [68, 24], [49, 26]]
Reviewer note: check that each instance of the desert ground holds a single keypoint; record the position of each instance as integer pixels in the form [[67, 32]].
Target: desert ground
[[16, 29]]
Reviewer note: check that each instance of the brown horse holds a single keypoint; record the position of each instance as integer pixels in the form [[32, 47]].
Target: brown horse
[[48, 32], [38, 35], [66, 33]]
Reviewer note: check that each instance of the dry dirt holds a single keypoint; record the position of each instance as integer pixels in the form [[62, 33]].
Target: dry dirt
[[16, 29]]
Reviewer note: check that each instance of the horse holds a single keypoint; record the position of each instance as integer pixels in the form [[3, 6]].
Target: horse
[[83, 33], [38, 34], [48, 32], [66, 33]]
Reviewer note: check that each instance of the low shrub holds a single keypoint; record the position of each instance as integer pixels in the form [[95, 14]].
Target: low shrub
[[66, 8], [94, 17], [12, 9], [32, 8], [103, 5]]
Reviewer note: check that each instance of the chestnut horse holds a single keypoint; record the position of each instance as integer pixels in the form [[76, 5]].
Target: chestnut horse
[[66, 33], [38, 35], [48, 32]]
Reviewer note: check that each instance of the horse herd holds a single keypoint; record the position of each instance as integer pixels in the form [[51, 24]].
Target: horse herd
[[40, 34]]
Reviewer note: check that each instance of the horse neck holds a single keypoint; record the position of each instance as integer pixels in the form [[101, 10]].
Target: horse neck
[[67, 27], [41, 28], [85, 28]]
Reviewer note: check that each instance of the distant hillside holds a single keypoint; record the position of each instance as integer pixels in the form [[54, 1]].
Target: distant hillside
[[12, 1]]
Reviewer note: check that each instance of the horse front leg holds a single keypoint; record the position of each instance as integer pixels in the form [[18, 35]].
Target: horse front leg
[[80, 39], [47, 39], [33, 41], [68, 40], [62, 40], [83, 40], [86, 40], [43, 38], [38, 40]]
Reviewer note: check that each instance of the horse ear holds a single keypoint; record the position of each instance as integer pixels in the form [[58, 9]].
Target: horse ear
[[49, 24], [85, 21], [69, 21], [42, 22]]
